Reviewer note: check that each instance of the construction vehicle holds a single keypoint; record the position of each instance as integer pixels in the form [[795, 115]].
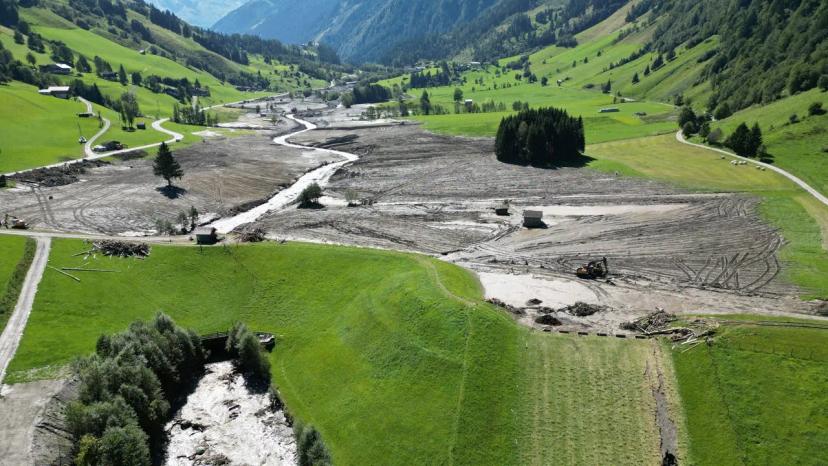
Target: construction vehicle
[[593, 269]]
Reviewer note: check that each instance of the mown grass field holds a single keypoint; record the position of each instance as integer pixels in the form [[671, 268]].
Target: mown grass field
[[756, 396], [39, 130], [800, 218], [393, 356], [587, 400]]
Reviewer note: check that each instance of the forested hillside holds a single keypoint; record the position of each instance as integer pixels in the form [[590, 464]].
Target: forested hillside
[[360, 30]]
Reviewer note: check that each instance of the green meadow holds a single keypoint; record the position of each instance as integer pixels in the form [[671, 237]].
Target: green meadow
[[801, 147], [394, 357], [39, 130], [756, 396], [16, 254]]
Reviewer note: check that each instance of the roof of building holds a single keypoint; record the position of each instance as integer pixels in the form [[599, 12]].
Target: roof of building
[[63, 65], [532, 214], [204, 231]]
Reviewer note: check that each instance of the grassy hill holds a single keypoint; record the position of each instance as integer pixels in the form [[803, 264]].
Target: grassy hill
[[31, 116], [394, 357], [800, 147]]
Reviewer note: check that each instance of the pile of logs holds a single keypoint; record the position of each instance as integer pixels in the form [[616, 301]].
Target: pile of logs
[[121, 248]]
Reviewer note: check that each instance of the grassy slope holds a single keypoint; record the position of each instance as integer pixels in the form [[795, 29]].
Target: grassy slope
[[38, 130], [601, 47], [372, 349], [16, 253], [800, 221], [756, 396], [34, 116], [593, 426], [798, 148]]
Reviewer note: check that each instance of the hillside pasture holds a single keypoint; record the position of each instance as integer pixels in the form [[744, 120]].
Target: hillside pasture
[[755, 396]]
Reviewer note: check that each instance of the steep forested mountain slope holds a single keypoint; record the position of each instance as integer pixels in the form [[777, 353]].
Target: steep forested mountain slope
[[360, 30], [202, 13]]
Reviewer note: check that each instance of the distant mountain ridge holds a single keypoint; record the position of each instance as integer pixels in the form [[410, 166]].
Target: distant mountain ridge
[[360, 30], [202, 13]]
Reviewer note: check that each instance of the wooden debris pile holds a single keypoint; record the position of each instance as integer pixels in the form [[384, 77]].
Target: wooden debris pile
[[514, 310], [654, 322], [255, 235], [121, 248], [659, 323]]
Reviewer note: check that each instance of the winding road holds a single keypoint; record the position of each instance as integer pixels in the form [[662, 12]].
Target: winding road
[[813, 192]]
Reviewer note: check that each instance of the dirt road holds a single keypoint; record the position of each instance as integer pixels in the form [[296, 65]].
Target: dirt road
[[14, 328], [813, 192]]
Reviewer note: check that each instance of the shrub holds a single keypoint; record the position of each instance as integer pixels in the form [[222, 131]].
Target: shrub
[[310, 196], [312, 450], [689, 128], [816, 109], [715, 136], [251, 360]]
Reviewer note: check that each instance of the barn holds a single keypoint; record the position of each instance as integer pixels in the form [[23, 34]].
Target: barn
[[533, 219]]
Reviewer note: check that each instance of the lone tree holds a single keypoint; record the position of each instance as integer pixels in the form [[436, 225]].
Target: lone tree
[[166, 166], [310, 196]]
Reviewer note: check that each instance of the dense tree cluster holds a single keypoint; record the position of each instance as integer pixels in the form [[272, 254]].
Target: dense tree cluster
[[126, 389], [746, 142], [540, 137], [488, 41], [766, 48], [370, 93], [193, 115]]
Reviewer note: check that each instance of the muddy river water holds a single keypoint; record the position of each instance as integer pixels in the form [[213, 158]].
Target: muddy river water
[[223, 422]]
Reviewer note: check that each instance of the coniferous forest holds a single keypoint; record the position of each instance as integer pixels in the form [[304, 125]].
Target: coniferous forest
[[540, 137]]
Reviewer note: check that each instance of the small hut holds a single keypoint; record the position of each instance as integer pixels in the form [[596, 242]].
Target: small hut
[[533, 219], [502, 209], [206, 235]]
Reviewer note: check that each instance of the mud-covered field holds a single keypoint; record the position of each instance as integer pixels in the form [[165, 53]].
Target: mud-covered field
[[436, 194], [221, 175]]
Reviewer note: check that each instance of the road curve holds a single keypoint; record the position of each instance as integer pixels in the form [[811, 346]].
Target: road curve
[[17, 322], [89, 154], [819, 196]]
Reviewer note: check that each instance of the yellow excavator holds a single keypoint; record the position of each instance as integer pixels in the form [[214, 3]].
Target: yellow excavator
[[593, 269]]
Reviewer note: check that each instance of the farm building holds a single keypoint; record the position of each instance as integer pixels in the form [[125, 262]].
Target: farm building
[[533, 219], [141, 125], [609, 110], [206, 235], [502, 209], [110, 75], [56, 68], [61, 92]]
